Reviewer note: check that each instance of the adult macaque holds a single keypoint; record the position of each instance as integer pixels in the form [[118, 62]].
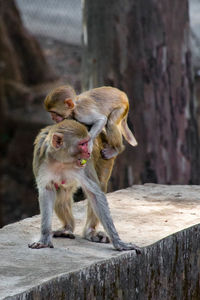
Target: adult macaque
[[61, 162], [100, 107]]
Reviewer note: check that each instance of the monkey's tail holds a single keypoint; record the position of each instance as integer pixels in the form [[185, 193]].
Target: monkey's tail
[[127, 133]]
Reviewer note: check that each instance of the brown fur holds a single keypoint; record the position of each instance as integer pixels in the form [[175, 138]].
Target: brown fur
[[104, 99], [59, 149], [99, 107], [63, 202]]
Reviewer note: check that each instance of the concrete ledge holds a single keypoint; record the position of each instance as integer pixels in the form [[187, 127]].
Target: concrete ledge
[[149, 215]]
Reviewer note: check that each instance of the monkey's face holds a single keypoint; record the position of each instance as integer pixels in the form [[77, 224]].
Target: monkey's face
[[78, 150], [60, 103], [70, 151], [70, 144], [62, 110], [84, 152], [56, 117]]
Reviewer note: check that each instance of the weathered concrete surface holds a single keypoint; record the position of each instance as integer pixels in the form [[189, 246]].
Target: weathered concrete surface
[[78, 269]]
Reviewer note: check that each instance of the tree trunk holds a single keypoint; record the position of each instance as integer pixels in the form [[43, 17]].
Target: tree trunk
[[20, 53], [142, 47], [22, 67]]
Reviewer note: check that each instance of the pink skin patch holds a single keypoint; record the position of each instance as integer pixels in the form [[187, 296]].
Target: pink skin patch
[[56, 117], [57, 186], [83, 146]]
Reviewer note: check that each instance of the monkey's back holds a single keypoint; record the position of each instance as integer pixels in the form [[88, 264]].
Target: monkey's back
[[106, 98], [40, 147]]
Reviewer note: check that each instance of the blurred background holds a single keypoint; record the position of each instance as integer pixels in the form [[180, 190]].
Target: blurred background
[[149, 49]]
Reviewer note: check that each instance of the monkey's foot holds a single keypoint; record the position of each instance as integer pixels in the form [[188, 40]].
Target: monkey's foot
[[64, 233], [97, 237], [121, 246], [108, 152], [40, 245]]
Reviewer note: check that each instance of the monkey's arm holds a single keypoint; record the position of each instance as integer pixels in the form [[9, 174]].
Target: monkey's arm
[[97, 127], [100, 206], [46, 201], [96, 123], [91, 117]]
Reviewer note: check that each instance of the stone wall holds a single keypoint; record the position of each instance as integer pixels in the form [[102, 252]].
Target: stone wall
[[155, 217]]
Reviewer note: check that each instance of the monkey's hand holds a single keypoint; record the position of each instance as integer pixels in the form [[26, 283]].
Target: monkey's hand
[[107, 152], [121, 246], [42, 243]]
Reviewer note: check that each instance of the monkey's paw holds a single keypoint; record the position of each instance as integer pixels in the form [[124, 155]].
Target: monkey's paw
[[121, 246], [97, 237], [108, 152], [63, 233], [40, 245]]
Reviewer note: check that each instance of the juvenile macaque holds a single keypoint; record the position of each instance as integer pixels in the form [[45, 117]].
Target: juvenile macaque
[[62, 161], [100, 107]]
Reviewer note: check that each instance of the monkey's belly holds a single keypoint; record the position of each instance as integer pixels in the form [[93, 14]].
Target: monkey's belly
[[57, 184]]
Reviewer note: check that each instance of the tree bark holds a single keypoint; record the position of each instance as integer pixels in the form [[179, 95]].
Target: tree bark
[[20, 53], [142, 47], [22, 67]]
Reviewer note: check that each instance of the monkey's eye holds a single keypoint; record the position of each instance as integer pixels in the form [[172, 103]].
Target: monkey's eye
[[83, 144], [55, 113]]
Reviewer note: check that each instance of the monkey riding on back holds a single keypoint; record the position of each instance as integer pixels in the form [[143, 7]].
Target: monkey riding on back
[[98, 108]]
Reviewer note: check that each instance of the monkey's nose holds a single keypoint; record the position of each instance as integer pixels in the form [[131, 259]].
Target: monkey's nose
[[87, 154]]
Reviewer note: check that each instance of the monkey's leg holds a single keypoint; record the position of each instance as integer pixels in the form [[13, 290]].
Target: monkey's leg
[[103, 170], [63, 209], [114, 135], [89, 232], [46, 201], [100, 205]]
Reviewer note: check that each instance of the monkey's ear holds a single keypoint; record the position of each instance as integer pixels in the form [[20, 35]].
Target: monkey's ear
[[69, 103], [57, 140]]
